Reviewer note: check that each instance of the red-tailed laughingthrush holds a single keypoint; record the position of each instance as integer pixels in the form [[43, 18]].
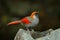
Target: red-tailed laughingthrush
[[29, 21]]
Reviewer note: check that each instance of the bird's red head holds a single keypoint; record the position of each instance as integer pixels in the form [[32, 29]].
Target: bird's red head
[[33, 13]]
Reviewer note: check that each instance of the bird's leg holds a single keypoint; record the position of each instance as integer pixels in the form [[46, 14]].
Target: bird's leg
[[32, 31], [27, 29]]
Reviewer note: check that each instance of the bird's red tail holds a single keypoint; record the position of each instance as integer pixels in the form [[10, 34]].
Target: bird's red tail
[[14, 22]]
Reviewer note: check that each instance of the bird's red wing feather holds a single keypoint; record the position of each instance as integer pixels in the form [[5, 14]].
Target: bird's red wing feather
[[25, 20]]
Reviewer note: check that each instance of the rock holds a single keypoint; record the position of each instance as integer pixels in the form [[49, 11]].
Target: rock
[[30, 35], [54, 35], [23, 35]]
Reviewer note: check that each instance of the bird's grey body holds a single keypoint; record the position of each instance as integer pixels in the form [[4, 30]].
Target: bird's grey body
[[33, 21]]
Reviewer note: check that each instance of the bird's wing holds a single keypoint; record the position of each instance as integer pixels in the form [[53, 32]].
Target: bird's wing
[[25, 20]]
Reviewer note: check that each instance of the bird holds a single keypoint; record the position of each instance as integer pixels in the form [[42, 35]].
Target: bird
[[28, 21]]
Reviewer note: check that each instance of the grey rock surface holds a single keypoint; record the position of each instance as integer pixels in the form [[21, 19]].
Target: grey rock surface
[[29, 35], [54, 35], [23, 35]]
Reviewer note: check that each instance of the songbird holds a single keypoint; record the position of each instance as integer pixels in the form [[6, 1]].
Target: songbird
[[29, 21]]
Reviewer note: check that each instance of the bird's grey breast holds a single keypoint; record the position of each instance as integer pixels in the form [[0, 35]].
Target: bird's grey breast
[[34, 22]]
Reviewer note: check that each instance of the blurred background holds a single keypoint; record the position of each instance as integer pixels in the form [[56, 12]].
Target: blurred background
[[11, 10]]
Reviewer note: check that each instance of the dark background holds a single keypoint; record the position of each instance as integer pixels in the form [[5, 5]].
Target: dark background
[[11, 10]]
